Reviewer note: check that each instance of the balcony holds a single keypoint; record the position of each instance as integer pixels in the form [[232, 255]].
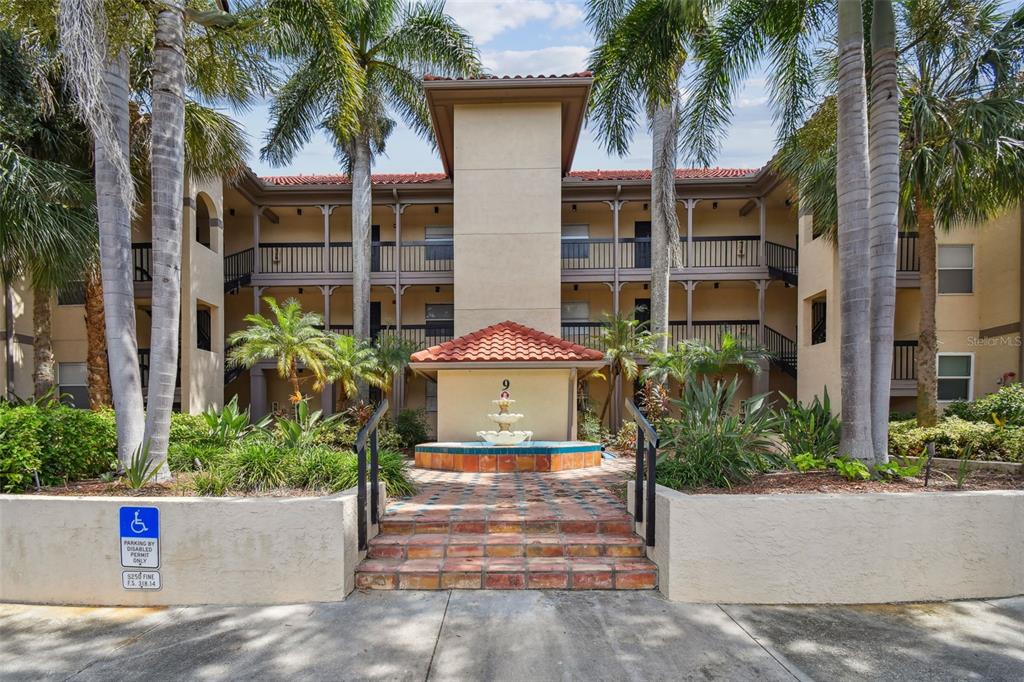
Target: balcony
[[587, 333], [421, 335], [634, 253]]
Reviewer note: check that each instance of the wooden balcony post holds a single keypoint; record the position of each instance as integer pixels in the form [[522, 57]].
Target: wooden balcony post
[[257, 211], [615, 204], [326, 209], [690, 205]]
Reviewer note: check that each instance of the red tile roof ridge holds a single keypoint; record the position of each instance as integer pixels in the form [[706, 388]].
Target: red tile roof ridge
[[507, 341], [491, 77]]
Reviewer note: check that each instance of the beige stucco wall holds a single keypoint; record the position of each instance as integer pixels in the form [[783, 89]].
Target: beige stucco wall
[[839, 548], [202, 284], [542, 396], [507, 215], [65, 550], [819, 274], [22, 305]]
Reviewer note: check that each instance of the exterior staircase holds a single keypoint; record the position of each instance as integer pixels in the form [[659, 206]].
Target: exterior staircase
[[565, 541]]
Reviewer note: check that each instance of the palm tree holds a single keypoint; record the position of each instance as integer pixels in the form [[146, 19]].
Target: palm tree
[[352, 362], [290, 337], [623, 340], [960, 160], [692, 358], [392, 353], [637, 64], [354, 63]]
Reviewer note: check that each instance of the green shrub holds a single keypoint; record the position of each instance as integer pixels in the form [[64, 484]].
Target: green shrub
[[807, 461], [625, 439], [393, 468], [189, 428], [212, 483], [230, 423], [196, 456], [809, 428], [57, 442], [590, 428], [850, 469], [341, 435], [711, 444], [1007, 404], [411, 427], [256, 465], [953, 435]]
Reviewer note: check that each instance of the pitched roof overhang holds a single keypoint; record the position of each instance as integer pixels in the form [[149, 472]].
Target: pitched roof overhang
[[572, 91]]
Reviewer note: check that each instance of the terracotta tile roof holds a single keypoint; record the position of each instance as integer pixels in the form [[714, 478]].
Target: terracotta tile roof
[[681, 174], [489, 77], [507, 342], [342, 179]]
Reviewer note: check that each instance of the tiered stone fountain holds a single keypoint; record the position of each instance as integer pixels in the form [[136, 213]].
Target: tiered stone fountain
[[504, 419]]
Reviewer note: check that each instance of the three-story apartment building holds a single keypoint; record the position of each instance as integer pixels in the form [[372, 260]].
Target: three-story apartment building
[[453, 251]]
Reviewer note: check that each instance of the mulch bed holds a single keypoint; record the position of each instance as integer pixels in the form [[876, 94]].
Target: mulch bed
[[786, 482]]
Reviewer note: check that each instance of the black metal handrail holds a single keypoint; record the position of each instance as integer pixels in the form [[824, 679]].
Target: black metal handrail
[[725, 251], [588, 254], [238, 269], [368, 434], [646, 446], [783, 261], [783, 350]]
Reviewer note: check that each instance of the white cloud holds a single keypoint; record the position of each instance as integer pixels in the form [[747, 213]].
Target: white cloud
[[487, 20], [548, 60]]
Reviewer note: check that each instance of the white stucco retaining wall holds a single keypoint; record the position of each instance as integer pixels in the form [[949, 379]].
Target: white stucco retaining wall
[[213, 550], [837, 548]]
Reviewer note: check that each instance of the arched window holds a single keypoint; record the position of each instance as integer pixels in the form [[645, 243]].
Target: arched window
[[203, 219]]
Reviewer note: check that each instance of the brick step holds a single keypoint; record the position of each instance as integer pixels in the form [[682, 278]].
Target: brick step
[[577, 573], [438, 545], [619, 524]]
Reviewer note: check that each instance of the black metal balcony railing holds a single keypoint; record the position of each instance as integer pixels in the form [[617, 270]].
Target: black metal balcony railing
[[904, 361], [432, 255], [783, 262], [422, 335], [634, 253], [725, 252], [588, 254], [291, 258], [907, 259], [142, 261], [710, 332], [583, 333]]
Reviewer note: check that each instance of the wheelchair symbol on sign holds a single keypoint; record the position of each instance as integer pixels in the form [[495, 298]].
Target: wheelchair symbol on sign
[[137, 525]]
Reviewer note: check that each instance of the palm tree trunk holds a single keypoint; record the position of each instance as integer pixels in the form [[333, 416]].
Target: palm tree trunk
[[362, 216], [115, 261], [884, 142], [44, 377], [927, 341], [293, 377], [96, 343], [855, 290], [168, 169], [9, 339], [665, 247]]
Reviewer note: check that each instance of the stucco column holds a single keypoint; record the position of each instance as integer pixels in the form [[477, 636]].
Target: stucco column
[[760, 382], [256, 293], [256, 212], [257, 393], [327, 395], [690, 205], [762, 286], [763, 227]]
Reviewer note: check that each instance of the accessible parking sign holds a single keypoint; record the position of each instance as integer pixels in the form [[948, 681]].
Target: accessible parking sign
[[140, 547]]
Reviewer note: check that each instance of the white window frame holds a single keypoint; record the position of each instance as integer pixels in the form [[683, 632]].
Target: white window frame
[[583, 302], [61, 383], [970, 378], [938, 270]]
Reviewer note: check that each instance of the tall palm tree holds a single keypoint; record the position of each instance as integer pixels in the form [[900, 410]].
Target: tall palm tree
[[291, 336], [352, 362], [960, 155], [353, 65], [637, 63], [852, 222], [624, 340]]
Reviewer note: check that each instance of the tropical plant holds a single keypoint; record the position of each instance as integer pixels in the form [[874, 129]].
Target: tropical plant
[[141, 469], [807, 461], [411, 427], [352, 65], [637, 63], [1005, 406], [811, 428], [301, 431], [230, 423], [392, 353], [850, 469], [290, 337], [692, 358], [349, 363], [713, 444], [952, 436], [894, 470], [623, 340]]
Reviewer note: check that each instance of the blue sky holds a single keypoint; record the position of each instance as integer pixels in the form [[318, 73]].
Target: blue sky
[[521, 37]]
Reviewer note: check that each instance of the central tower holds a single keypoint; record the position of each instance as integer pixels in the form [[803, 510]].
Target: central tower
[[506, 143]]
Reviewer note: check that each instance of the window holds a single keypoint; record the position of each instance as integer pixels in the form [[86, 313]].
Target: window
[[203, 220], [955, 376], [956, 269], [71, 294], [575, 241], [443, 235], [440, 319], [575, 311], [431, 396], [819, 315], [203, 329], [73, 380]]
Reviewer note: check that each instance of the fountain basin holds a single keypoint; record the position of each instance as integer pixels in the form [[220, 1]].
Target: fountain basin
[[476, 456]]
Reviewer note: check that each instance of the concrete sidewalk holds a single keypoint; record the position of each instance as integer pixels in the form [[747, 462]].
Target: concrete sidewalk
[[483, 635]]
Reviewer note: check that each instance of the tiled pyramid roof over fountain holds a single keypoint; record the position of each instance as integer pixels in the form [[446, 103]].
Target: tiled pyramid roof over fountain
[[508, 342]]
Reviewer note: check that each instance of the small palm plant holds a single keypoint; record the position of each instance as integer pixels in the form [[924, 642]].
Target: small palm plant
[[392, 354], [624, 340], [350, 362], [291, 337], [692, 358]]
